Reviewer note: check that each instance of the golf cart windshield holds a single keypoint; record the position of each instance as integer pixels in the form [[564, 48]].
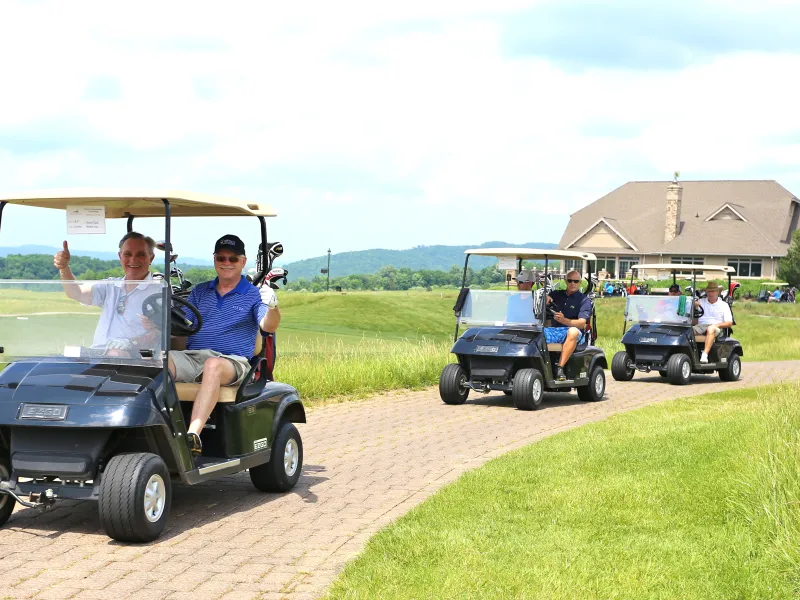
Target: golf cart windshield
[[672, 310], [118, 323], [498, 308]]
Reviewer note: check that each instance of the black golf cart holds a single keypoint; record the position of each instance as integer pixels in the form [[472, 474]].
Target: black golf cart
[[658, 334], [504, 348], [85, 417]]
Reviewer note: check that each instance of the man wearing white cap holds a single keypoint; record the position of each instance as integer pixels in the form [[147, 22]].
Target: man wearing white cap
[[520, 306]]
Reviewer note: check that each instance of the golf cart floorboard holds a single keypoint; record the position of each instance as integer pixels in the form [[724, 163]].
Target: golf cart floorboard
[[210, 467]]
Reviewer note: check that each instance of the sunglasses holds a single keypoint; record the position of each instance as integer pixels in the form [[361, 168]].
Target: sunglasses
[[231, 259], [573, 280]]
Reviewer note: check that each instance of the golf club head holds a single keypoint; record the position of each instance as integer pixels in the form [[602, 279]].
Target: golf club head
[[274, 250]]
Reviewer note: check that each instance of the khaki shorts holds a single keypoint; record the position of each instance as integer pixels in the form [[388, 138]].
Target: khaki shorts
[[189, 365], [703, 330]]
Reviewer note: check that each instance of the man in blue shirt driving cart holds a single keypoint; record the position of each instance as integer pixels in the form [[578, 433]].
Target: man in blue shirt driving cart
[[573, 310]]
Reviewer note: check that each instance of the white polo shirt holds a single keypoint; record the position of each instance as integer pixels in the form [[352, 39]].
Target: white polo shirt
[[111, 324], [719, 312]]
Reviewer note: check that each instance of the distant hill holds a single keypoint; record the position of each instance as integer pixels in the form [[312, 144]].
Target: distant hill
[[51, 250], [440, 258]]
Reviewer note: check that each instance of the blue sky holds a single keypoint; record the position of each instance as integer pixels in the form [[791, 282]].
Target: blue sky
[[368, 125]]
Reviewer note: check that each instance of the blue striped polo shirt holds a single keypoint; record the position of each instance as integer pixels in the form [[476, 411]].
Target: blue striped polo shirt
[[230, 322]]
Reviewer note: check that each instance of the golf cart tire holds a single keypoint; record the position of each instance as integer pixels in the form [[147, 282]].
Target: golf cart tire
[[621, 367], [7, 502], [124, 487], [276, 475], [733, 370], [663, 374], [528, 389], [452, 385], [596, 388], [676, 370]]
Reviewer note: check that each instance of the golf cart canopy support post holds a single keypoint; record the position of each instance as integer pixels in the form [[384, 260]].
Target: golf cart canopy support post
[[264, 266], [2, 206], [167, 288], [463, 285]]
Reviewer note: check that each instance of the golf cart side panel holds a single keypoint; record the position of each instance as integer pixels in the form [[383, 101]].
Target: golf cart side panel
[[250, 426], [84, 395]]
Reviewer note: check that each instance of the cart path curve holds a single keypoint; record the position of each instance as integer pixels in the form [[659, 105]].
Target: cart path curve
[[366, 463]]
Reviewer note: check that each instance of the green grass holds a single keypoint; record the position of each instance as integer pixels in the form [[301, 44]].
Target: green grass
[[680, 500]]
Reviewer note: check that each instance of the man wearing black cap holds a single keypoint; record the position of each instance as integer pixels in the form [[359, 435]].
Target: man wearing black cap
[[233, 309]]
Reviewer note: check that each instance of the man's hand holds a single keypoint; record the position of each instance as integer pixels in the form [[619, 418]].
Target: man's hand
[[268, 296], [61, 259], [560, 318], [119, 344]]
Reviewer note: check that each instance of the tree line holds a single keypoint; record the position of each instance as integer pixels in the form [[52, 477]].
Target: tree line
[[40, 267]]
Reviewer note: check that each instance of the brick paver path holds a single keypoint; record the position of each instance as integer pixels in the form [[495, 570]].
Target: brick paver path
[[366, 463]]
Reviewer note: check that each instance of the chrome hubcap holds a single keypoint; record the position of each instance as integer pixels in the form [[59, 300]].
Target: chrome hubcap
[[462, 383], [155, 498], [686, 370], [736, 367], [537, 389], [291, 456], [599, 385]]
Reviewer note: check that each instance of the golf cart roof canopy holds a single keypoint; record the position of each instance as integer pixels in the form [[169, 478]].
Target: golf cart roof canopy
[[531, 253], [679, 267], [122, 203]]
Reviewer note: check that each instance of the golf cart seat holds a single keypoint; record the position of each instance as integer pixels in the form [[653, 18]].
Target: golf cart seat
[[261, 365], [555, 347], [699, 337]]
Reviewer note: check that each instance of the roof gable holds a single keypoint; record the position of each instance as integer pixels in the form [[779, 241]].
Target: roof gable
[[726, 212], [602, 234]]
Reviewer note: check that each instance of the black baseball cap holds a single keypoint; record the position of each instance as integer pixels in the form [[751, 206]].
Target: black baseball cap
[[230, 242], [674, 288]]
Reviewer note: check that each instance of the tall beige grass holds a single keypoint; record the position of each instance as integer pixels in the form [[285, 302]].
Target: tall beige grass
[[326, 370]]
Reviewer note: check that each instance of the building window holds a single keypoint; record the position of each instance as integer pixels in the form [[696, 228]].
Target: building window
[[746, 267], [687, 260], [625, 264], [609, 263], [573, 265]]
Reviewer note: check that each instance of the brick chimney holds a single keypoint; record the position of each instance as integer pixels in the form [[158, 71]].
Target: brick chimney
[[672, 224]]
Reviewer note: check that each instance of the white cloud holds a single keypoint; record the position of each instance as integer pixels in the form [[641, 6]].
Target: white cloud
[[417, 101]]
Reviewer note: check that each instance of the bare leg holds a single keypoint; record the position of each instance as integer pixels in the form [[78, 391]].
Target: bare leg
[[216, 372], [569, 345], [711, 335]]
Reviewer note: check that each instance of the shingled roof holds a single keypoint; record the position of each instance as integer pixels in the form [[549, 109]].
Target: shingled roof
[[733, 218]]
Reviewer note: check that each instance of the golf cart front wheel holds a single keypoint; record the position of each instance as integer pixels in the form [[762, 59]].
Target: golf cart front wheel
[[622, 368], [453, 387], [733, 370], [679, 369], [135, 497], [282, 471], [594, 391], [528, 389], [6, 502]]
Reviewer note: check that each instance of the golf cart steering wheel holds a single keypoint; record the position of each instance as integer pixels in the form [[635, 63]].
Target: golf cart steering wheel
[[180, 325], [698, 312]]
